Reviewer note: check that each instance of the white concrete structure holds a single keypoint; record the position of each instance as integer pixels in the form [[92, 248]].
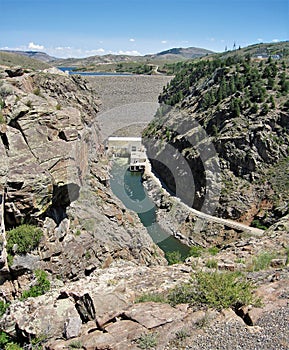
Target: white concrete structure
[[138, 161], [123, 146]]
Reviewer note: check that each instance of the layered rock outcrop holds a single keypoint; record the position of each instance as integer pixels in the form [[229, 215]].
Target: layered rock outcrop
[[54, 174], [102, 312]]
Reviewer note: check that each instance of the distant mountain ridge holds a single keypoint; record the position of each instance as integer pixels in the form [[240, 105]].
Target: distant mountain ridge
[[189, 52], [38, 55], [171, 54], [174, 54], [10, 59]]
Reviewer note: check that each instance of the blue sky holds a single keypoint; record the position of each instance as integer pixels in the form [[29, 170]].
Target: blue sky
[[80, 28]]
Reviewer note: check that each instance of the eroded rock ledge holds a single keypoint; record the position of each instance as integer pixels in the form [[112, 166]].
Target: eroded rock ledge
[[100, 312]]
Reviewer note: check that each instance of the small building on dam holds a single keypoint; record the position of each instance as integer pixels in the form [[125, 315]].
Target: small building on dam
[[130, 147]]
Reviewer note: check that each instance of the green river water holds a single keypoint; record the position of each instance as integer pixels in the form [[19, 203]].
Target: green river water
[[128, 187]]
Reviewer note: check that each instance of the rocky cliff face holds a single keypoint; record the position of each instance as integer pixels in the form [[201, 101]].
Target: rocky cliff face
[[86, 228], [54, 174], [223, 134]]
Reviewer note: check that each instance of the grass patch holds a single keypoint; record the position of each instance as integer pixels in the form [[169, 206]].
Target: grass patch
[[203, 322], [261, 262], [75, 345], [182, 334], [212, 264], [78, 232], [147, 341], [2, 119], [37, 92], [154, 297]]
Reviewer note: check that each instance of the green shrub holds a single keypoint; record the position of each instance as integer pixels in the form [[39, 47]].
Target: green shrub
[[42, 286], [256, 223], [174, 257], [3, 307], [214, 289], [182, 294], [196, 251], [26, 237], [4, 339], [6, 342], [223, 290], [213, 250]]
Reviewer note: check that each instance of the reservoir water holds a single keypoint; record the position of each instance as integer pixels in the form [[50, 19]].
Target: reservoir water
[[128, 187], [73, 71]]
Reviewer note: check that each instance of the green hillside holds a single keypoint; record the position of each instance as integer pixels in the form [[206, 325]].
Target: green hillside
[[241, 101], [12, 59]]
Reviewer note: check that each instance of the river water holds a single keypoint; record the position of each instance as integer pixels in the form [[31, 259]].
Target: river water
[[128, 187]]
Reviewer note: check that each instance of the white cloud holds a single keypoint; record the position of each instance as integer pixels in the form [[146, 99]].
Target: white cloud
[[260, 40], [100, 51], [62, 48], [164, 42], [132, 40], [129, 53], [33, 46], [21, 48], [69, 51], [275, 41]]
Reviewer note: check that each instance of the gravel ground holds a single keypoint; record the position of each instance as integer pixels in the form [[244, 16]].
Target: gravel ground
[[127, 101], [270, 333]]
